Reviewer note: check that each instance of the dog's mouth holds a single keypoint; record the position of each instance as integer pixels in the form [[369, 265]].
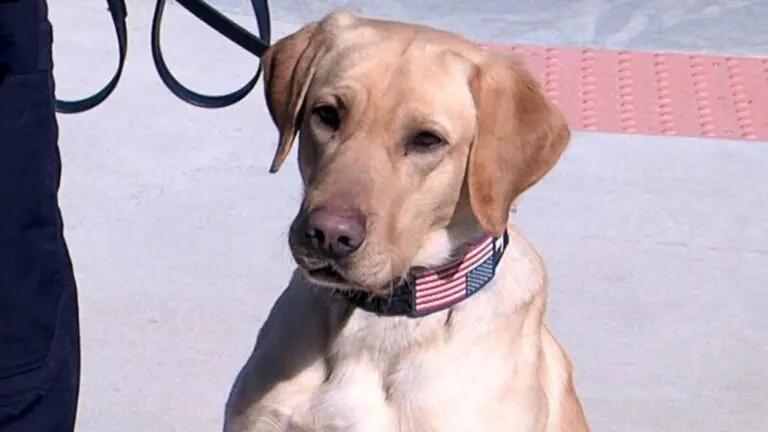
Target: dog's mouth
[[326, 274]]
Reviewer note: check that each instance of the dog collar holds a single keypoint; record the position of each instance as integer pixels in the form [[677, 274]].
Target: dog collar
[[428, 291]]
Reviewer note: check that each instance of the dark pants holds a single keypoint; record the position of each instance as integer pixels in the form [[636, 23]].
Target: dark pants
[[39, 335]]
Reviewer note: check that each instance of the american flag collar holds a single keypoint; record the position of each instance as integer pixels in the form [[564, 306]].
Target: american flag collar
[[428, 291]]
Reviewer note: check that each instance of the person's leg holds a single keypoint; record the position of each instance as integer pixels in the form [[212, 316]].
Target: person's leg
[[39, 335]]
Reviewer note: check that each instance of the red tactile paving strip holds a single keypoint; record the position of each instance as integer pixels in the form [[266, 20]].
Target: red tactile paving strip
[[654, 93]]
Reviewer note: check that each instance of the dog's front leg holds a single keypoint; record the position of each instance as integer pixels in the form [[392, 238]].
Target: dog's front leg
[[268, 406], [286, 368]]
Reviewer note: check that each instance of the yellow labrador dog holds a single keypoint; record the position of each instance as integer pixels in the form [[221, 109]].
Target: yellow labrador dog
[[416, 306]]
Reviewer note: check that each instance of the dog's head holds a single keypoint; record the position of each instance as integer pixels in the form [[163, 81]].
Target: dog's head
[[412, 141]]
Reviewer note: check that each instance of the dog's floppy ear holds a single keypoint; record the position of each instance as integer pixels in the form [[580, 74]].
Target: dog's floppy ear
[[520, 136], [289, 66]]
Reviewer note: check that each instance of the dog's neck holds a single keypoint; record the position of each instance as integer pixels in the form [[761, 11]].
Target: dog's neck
[[430, 290]]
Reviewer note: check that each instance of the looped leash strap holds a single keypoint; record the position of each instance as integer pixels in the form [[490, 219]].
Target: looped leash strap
[[119, 13], [227, 28]]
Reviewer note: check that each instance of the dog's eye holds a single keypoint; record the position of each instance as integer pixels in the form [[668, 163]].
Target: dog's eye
[[425, 141], [328, 115]]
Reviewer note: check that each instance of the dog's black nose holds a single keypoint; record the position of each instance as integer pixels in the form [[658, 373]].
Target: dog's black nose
[[335, 233]]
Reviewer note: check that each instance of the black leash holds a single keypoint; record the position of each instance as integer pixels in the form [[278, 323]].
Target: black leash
[[256, 45], [227, 28], [119, 12]]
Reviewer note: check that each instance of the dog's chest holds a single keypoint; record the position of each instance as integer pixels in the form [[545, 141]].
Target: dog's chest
[[402, 375]]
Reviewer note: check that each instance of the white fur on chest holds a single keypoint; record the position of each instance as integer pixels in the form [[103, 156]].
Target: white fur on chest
[[398, 374], [443, 372]]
